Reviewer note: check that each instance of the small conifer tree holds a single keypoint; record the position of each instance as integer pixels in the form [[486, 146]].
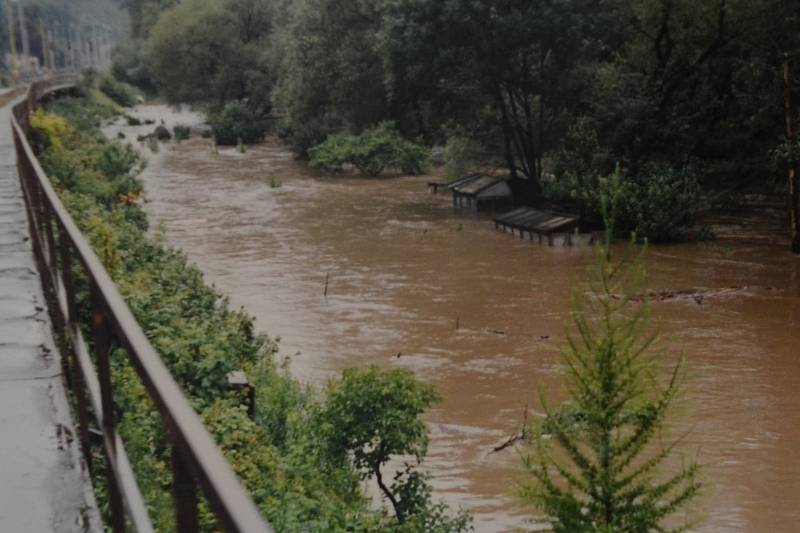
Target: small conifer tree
[[594, 463]]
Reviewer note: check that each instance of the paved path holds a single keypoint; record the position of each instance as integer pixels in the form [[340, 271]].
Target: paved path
[[43, 487]]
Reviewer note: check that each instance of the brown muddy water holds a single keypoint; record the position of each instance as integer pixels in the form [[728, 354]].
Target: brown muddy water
[[482, 316]]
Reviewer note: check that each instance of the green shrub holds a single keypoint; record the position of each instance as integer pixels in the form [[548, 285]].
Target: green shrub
[[181, 132], [413, 158], [86, 164], [161, 133], [372, 415], [86, 111], [578, 168], [660, 204], [121, 93], [235, 123], [129, 65], [301, 136], [332, 154], [663, 204], [462, 155], [117, 160], [372, 152]]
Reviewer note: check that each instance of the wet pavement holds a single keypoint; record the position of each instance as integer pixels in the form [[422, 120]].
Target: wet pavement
[[43, 486]]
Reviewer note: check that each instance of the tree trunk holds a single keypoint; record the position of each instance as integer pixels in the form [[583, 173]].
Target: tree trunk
[[512, 167], [542, 64], [791, 137], [388, 493]]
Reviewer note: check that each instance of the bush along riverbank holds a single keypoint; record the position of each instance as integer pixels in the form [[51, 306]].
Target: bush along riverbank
[[302, 455]]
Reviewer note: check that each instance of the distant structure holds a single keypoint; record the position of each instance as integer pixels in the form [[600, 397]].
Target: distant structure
[[480, 192], [541, 227], [58, 40], [476, 192]]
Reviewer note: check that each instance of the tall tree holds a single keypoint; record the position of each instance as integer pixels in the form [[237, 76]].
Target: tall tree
[[599, 470], [369, 417], [209, 53], [517, 56], [331, 76]]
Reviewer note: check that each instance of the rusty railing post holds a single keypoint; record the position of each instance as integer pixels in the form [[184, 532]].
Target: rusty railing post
[[74, 373], [102, 348], [184, 492], [50, 261], [33, 207]]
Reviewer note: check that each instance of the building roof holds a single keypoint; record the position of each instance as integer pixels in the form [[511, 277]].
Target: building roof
[[467, 178], [526, 218], [482, 186]]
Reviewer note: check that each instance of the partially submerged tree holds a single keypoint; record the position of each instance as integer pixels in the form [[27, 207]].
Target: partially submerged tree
[[595, 462], [372, 152], [372, 416]]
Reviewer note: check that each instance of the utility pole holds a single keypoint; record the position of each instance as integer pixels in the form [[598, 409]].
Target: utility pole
[[71, 47], [93, 47], [98, 47], [51, 48], [79, 47], [791, 142], [12, 41], [104, 49], [87, 51], [59, 45], [69, 59], [23, 34], [45, 46], [109, 40]]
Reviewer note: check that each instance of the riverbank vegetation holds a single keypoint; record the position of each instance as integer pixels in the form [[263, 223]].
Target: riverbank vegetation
[[686, 98], [371, 152], [305, 472], [121, 93]]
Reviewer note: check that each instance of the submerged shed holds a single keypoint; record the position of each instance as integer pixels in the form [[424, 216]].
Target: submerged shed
[[476, 191], [542, 226], [449, 184]]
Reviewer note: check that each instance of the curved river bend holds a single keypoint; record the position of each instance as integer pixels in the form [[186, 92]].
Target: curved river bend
[[481, 316]]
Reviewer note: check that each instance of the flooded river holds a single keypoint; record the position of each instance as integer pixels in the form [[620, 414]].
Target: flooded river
[[482, 316]]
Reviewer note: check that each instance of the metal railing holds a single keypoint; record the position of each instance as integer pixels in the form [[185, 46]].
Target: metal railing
[[197, 462]]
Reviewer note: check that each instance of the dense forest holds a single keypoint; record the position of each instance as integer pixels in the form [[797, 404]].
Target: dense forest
[[690, 99]]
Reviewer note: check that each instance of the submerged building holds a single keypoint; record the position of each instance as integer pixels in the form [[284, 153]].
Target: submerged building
[[476, 192]]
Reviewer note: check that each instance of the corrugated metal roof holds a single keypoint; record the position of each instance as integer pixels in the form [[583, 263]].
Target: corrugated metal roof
[[463, 180], [526, 218], [478, 184]]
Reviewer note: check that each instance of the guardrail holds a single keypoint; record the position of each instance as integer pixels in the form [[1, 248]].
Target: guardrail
[[196, 461]]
